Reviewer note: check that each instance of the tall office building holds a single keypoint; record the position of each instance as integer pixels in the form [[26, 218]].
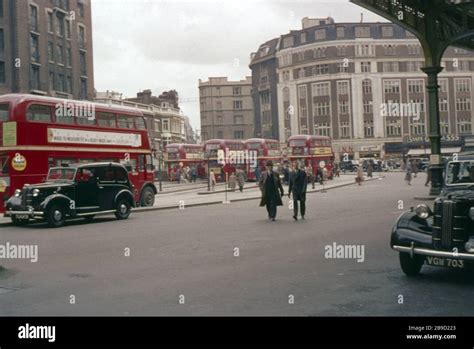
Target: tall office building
[[46, 48]]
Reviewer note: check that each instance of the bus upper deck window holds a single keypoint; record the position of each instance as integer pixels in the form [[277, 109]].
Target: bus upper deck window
[[140, 123], [125, 121], [106, 120], [3, 112], [39, 113]]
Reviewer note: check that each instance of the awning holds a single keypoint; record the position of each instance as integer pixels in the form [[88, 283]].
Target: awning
[[418, 152]]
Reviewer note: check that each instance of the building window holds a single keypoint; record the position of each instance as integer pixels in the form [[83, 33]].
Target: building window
[[237, 91], [265, 98], [342, 87], [288, 42], [414, 66], [443, 104], [219, 105], [463, 104], [82, 37], [391, 86], [303, 38], [340, 32], [341, 50], [342, 67], [286, 75], [68, 57], [238, 119], [80, 8], [464, 126], [2, 42], [218, 89], [60, 54], [34, 47], [344, 130], [83, 89], [285, 60], [390, 50], [2, 73], [444, 125], [59, 24], [237, 104], [319, 52], [364, 50], [367, 86], [321, 69], [321, 109], [61, 83], [320, 34], [365, 67], [390, 67], [343, 107], [368, 128], [33, 18], [463, 85], [414, 49], [303, 101], [420, 104], [166, 125], [417, 129], [50, 51], [1, 8], [387, 31], [50, 22], [68, 29], [220, 134], [82, 63], [69, 84], [238, 135], [35, 77], [362, 32], [300, 56], [415, 86], [320, 89], [393, 128], [322, 129], [219, 119], [51, 81], [443, 85], [367, 107]]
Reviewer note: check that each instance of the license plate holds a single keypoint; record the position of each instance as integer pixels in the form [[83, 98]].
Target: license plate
[[22, 216], [445, 262]]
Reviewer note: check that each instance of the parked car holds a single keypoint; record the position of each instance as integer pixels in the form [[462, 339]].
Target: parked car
[[76, 190], [442, 235]]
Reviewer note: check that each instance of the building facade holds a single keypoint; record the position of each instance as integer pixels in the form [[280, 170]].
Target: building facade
[[361, 84], [226, 108], [46, 48]]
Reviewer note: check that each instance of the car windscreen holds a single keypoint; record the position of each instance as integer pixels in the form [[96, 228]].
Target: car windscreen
[[61, 174], [460, 172]]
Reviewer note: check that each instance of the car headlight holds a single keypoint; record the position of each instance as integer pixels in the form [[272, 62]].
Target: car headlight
[[17, 192], [36, 192], [471, 213], [423, 211]]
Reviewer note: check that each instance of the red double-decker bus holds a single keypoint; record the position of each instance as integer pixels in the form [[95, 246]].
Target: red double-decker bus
[[211, 161], [266, 149], [40, 132], [312, 150], [183, 155]]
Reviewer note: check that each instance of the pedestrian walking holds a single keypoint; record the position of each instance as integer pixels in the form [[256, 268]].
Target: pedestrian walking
[[297, 188], [272, 190], [408, 174], [370, 169], [428, 176], [178, 175], [257, 173], [240, 178], [232, 181], [193, 174], [415, 168], [310, 174], [212, 179]]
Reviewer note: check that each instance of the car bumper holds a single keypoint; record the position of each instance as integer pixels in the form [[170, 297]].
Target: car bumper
[[435, 253], [30, 214]]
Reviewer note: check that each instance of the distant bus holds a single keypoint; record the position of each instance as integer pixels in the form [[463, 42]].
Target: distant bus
[[183, 155], [267, 149], [38, 132], [211, 148], [311, 150]]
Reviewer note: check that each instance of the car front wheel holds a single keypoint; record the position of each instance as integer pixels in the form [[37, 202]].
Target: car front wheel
[[56, 216], [411, 266], [122, 210], [148, 197]]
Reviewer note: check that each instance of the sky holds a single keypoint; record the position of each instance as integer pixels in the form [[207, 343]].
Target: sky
[[171, 44]]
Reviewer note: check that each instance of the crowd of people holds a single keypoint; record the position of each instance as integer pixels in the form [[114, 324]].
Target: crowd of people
[[184, 174]]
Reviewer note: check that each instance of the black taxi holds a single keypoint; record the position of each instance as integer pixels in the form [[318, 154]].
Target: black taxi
[[442, 234], [73, 191]]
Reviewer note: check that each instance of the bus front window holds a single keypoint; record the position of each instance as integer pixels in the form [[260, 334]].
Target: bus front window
[[4, 165], [3, 112]]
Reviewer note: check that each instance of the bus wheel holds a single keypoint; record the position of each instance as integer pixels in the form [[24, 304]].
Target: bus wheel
[[147, 198], [56, 216], [19, 222], [123, 208]]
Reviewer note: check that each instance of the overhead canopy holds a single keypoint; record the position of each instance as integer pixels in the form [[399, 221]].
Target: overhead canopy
[[437, 23], [445, 151]]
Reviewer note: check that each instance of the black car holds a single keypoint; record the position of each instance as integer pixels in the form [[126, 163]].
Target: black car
[[78, 190], [443, 235]]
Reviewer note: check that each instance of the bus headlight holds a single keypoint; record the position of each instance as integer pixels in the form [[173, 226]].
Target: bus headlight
[[423, 211], [17, 192], [36, 192], [471, 213]]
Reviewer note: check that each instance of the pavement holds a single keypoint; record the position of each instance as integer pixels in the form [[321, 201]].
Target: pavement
[[231, 260]]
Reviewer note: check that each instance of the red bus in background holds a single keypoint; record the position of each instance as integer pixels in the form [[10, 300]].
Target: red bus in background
[[267, 149], [211, 148], [183, 155], [313, 150], [39, 132]]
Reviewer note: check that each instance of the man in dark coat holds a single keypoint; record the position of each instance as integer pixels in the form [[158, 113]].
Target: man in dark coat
[[272, 190], [298, 185]]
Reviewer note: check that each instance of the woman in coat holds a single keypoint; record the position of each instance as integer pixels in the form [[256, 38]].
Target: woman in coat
[[240, 178]]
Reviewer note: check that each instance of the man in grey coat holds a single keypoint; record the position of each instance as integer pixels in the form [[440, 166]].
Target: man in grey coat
[[298, 186], [272, 190]]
